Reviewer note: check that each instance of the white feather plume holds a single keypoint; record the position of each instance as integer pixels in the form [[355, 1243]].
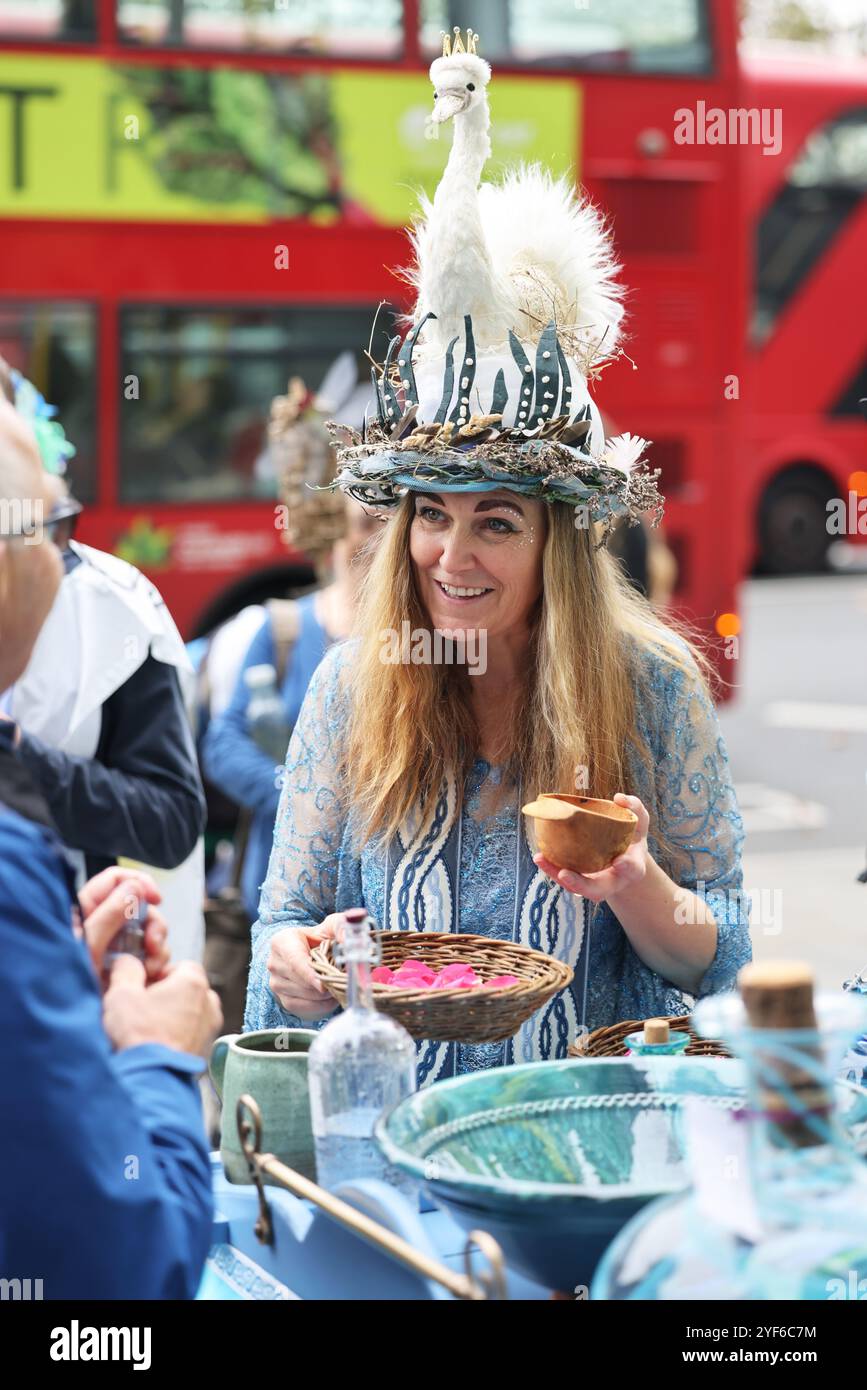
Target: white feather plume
[[624, 451], [536, 226], [514, 255]]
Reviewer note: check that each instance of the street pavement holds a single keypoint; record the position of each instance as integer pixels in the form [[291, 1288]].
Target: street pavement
[[796, 730]]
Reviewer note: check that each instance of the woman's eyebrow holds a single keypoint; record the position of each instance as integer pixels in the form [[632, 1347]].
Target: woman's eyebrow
[[489, 504], [431, 496]]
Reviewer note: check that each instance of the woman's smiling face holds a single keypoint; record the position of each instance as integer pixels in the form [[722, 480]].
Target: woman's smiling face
[[478, 558]]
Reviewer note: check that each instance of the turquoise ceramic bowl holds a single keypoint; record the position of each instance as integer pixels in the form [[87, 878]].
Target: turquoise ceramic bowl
[[552, 1158]]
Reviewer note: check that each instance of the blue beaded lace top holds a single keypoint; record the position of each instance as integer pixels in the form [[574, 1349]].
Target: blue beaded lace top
[[474, 873]]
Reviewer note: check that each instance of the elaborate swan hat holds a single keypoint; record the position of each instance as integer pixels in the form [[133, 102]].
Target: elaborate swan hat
[[517, 308]]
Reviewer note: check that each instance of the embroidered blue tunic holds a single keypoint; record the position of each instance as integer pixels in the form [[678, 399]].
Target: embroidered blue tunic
[[473, 871]]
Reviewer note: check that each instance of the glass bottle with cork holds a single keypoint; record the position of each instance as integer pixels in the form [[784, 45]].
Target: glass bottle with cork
[[656, 1039], [361, 1064], [778, 1207]]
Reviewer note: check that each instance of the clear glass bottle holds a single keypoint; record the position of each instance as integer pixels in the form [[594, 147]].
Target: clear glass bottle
[[266, 714], [361, 1064], [788, 1218]]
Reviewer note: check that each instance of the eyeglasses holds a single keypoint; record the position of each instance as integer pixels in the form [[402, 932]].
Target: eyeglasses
[[66, 511]]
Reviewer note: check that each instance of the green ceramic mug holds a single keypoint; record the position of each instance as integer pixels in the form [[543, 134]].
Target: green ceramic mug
[[271, 1066]]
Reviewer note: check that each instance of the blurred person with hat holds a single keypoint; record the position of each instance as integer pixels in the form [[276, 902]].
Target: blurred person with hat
[[104, 1166], [294, 634]]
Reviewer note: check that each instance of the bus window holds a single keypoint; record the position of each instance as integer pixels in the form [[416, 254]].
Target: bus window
[[655, 36], [196, 385], [54, 345], [54, 20], [344, 28], [823, 188]]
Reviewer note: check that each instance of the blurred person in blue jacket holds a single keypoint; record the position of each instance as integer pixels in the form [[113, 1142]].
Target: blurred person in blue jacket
[[337, 533], [104, 1166]]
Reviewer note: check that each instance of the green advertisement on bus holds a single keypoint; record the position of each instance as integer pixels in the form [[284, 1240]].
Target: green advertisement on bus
[[84, 138]]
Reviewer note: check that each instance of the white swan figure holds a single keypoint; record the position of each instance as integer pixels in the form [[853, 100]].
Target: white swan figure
[[515, 254]]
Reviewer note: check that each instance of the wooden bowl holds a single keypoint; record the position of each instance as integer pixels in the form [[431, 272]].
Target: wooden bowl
[[580, 833]]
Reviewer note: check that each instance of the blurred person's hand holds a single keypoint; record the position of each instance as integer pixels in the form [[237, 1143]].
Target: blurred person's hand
[[181, 1011], [108, 901]]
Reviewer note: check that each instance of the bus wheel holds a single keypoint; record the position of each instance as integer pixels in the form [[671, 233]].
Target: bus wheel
[[793, 524]]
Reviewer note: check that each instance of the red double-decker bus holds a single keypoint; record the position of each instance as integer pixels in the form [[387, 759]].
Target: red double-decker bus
[[200, 199], [807, 355]]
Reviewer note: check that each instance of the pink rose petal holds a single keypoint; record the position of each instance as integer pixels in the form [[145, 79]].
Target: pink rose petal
[[457, 967], [415, 974], [417, 967], [467, 979], [411, 979]]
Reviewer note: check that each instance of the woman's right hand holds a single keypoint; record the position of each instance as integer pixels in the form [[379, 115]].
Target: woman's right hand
[[292, 979]]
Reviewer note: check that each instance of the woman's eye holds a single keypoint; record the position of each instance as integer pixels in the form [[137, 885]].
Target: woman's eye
[[501, 527], [429, 513]]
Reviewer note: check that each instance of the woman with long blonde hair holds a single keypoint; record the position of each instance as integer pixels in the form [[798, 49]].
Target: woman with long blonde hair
[[577, 683], [499, 652]]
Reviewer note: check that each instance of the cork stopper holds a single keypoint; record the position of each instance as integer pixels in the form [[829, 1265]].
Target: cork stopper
[[656, 1031], [790, 1089], [355, 914], [778, 994]]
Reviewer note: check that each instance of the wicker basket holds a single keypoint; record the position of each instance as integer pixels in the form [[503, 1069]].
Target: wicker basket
[[456, 1015], [610, 1042]]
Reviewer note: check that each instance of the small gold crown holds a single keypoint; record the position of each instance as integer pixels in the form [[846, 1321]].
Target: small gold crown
[[450, 48]]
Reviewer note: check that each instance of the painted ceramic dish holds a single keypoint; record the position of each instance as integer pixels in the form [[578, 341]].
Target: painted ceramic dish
[[552, 1158]]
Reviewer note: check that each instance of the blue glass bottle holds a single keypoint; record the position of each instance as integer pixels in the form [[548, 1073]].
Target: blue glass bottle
[[805, 1234], [656, 1040]]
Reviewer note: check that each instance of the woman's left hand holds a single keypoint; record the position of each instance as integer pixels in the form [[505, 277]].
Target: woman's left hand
[[626, 871]]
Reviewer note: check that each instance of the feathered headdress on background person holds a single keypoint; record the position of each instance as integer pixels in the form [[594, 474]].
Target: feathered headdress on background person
[[304, 462], [54, 448], [517, 309]]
